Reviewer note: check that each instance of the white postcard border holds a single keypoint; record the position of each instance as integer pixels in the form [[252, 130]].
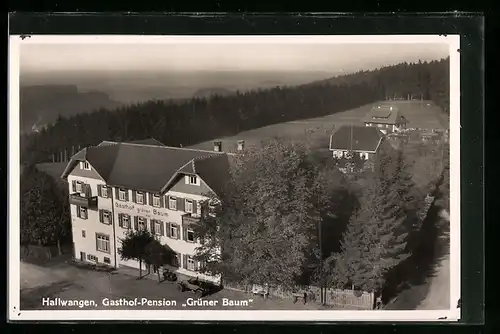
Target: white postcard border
[[15, 314]]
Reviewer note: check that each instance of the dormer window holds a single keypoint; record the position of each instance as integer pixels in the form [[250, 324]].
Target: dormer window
[[85, 165], [192, 180]]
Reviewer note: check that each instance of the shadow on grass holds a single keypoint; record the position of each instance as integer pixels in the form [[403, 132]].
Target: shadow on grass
[[415, 272]]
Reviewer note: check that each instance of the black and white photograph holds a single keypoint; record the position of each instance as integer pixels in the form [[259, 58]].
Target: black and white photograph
[[234, 178]]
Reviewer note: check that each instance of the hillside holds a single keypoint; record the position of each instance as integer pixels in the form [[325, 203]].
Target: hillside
[[197, 120], [208, 92], [41, 104]]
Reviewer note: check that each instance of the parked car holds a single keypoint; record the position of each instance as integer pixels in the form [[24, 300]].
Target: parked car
[[169, 275], [198, 287]]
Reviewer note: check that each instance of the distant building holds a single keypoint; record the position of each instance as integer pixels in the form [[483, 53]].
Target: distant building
[[117, 187], [364, 141], [387, 118]]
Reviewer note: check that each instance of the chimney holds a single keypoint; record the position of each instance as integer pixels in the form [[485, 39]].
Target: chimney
[[241, 145], [217, 146]]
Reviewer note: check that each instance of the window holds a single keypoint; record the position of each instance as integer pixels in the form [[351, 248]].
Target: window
[[192, 179], [139, 197], [83, 234], [124, 220], [79, 187], [141, 223], [102, 243], [104, 191], [190, 235], [174, 231], [156, 201], [175, 259], [86, 165], [92, 258], [82, 212], [122, 195], [157, 227], [106, 217], [107, 260], [190, 263], [189, 206], [172, 203]]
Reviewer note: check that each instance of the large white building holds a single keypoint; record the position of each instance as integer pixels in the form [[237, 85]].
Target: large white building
[[115, 187]]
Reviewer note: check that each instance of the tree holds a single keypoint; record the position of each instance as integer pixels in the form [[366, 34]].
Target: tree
[[374, 243], [45, 219], [157, 255], [265, 225], [133, 246]]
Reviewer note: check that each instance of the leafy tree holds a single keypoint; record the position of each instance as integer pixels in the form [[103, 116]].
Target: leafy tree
[[134, 246], [157, 255], [266, 221], [45, 219]]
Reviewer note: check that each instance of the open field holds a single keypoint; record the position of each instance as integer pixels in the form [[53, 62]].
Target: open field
[[316, 131]]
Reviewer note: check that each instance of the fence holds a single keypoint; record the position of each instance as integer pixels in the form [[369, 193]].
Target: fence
[[338, 298]]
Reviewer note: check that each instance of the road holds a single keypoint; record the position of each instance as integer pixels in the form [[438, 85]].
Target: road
[[65, 281]]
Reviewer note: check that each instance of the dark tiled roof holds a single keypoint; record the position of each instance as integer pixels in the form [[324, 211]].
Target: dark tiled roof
[[364, 138], [142, 167], [213, 170], [385, 115], [148, 141]]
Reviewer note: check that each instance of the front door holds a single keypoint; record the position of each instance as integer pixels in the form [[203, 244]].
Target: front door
[[82, 256]]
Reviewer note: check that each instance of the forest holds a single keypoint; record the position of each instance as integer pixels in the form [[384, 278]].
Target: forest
[[199, 119]]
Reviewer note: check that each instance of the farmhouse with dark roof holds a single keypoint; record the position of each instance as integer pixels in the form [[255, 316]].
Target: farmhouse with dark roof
[[361, 140], [115, 187], [386, 118]]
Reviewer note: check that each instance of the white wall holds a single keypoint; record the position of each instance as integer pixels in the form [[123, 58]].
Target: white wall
[[92, 225]]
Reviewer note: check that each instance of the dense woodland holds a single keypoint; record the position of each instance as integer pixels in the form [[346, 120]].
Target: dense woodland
[[200, 119]]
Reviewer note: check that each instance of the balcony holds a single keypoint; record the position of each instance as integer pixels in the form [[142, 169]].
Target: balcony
[[187, 219], [87, 202]]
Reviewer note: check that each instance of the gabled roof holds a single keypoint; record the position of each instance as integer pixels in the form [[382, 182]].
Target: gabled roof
[[385, 114], [146, 167], [356, 138], [148, 141]]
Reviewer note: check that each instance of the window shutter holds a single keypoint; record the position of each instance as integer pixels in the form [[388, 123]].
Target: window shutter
[[110, 192], [120, 219], [180, 204], [134, 196], [178, 231], [126, 195], [169, 232], [117, 190], [88, 190], [111, 218], [74, 186], [195, 207], [184, 233], [184, 261], [101, 216], [152, 225], [78, 212], [150, 199], [136, 223], [162, 201], [162, 228], [99, 190]]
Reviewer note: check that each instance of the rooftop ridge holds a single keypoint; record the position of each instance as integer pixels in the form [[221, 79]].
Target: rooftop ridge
[[175, 148]]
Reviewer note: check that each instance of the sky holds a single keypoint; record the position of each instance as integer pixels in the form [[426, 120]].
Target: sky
[[37, 58]]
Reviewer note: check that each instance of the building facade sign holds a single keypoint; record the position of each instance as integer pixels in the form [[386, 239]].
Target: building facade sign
[[142, 211]]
